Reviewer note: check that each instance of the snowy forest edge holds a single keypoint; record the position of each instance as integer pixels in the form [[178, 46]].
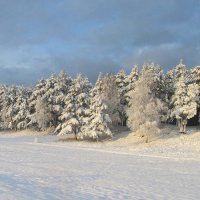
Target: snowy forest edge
[[141, 100]]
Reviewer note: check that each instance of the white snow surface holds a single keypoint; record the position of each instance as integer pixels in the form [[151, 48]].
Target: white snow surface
[[40, 167]]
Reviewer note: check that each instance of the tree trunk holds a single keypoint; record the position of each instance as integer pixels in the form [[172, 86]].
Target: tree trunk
[[75, 134], [121, 121], [180, 124], [147, 138], [182, 127]]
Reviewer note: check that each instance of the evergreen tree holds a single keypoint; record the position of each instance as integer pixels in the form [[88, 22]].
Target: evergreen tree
[[38, 92], [76, 105], [131, 80], [53, 90], [196, 75], [21, 108], [196, 79], [98, 120], [184, 99], [8, 110], [3, 89], [169, 81], [58, 88], [121, 81]]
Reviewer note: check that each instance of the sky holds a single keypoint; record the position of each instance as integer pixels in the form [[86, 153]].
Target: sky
[[42, 37]]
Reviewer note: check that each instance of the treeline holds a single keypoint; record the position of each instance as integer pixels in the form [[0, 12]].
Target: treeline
[[141, 100]]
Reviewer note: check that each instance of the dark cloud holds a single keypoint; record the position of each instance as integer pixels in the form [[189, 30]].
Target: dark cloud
[[38, 38]]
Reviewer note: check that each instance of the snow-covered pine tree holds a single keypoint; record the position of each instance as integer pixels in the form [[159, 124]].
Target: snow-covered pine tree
[[196, 75], [169, 82], [76, 105], [121, 81], [57, 87], [145, 110], [38, 91], [185, 98], [54, 90], [2, 103], [8, 109], [196, 79], [98, 120], [21, 108], [131, 80]]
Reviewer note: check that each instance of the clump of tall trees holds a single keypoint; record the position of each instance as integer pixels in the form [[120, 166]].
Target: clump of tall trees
[[140, 100]]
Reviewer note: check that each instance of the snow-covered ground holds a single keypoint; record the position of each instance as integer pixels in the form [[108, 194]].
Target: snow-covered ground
[[43, 168]]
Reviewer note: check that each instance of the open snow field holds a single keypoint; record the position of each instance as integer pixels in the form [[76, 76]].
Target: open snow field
[[44, 169]]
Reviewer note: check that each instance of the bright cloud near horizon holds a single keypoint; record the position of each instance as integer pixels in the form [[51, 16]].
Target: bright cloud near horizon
[[41, 37]]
